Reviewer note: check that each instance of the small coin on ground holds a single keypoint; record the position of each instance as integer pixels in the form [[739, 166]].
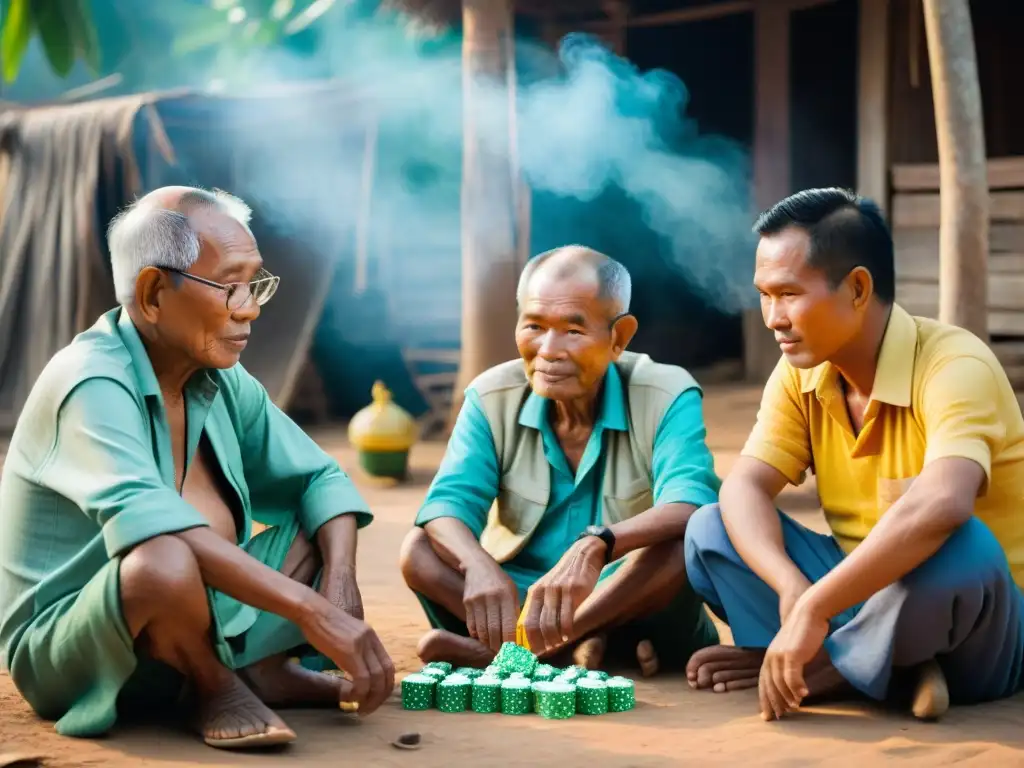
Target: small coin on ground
[[407, 741]]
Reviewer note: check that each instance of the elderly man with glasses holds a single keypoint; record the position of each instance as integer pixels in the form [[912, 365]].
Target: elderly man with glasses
[[129, 576]]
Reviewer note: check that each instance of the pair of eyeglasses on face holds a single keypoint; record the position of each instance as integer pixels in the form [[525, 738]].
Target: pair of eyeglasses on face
[[260, 289]]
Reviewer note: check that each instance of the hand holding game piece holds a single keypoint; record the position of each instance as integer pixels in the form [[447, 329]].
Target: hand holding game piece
[[547, 618], [491, 600]]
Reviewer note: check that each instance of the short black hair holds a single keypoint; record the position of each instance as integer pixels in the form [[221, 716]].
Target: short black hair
[[847, 231]]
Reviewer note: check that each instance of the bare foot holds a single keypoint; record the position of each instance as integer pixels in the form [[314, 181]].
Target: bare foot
[[823, 680], [724, 668], [590, 653], [281, 682], [931, 695], [440, 645], [647, 658], [235, 718]]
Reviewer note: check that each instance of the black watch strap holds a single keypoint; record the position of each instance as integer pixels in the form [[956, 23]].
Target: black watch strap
[[605, 534]]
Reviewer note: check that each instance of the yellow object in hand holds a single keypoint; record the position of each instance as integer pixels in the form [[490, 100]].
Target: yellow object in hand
[[521, 638]]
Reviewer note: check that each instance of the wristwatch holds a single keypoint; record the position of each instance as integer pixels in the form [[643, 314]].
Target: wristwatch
[[604, 533]]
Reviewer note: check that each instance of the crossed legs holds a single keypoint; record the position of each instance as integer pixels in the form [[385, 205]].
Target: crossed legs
[[647, 582], [957, 618], [167, 611]]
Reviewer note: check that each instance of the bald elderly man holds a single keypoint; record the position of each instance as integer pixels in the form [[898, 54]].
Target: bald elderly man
[[129, 578], [566, 487]]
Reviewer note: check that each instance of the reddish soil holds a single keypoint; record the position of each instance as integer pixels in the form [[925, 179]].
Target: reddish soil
[[672, 724]]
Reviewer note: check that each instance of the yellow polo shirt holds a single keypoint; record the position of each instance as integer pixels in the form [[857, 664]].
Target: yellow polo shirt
[[939, 392]]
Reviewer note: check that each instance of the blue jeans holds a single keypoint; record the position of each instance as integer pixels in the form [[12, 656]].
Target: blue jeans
[[960, 607]]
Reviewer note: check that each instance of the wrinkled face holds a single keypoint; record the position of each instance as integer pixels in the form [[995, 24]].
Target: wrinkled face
[[192, 317], [565, 335], [810, 319]]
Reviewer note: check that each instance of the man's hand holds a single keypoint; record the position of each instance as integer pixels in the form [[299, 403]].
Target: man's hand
[[338, 586], [781, 687], [354, 647], [552, 601], [492, 604]]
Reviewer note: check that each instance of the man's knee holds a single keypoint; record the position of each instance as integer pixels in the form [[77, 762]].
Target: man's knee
[[970, 558], [303, 561], [705, 532], [158, 575], [415, 558]]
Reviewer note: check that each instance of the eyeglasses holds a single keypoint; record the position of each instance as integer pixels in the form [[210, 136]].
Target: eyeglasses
[[260, 289]]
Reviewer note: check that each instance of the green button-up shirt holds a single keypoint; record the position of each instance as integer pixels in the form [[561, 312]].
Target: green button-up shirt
[[90, 474]]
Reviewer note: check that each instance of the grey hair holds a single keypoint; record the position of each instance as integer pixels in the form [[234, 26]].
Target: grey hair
[[146, 235], [613, 281]]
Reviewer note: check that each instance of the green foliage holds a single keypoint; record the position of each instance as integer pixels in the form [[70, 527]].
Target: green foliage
[[65, 28], [241, 26]]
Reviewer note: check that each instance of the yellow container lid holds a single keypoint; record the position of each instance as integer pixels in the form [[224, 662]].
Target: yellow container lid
[[382, 425]]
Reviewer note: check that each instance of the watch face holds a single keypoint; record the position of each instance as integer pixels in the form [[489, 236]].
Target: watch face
[[594, 530]]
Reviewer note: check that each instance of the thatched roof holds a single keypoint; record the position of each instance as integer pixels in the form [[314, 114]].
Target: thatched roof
[[65, 169], [56, 164]]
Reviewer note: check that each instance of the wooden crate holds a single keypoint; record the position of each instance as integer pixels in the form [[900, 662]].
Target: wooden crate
[[1011, 355], [916, 213]]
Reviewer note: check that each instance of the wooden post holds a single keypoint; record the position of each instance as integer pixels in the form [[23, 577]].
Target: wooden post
[[771, 154], [489, 260], [617, 12], [963, 181], [873, 102]]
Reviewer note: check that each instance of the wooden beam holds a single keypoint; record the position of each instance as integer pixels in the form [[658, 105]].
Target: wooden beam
[[618, 19], [771, 154], [1006, 292], [873, 102], [1002, 172], [702, 13], [920, 264], [925, 210], [1003, 238]]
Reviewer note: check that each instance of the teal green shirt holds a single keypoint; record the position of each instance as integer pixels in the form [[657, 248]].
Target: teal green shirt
[[466, 484], [89, 472]]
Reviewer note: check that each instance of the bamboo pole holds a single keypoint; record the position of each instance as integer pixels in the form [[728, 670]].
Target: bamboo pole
[[364, 221], [963, 183]]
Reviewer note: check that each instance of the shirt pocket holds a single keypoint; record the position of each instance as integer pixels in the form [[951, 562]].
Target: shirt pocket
[[520, 504], [629, 501], [891, 490]]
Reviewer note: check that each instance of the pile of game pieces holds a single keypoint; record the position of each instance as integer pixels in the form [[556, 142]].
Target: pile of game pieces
[[515, 683]]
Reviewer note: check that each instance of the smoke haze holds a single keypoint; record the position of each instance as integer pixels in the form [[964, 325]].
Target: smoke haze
[[591, 127]]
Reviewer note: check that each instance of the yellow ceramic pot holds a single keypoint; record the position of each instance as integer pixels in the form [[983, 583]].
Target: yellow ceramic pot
[[383, 433]]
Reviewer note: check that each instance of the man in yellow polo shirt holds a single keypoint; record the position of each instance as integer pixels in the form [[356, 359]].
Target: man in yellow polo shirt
[[916, 440]]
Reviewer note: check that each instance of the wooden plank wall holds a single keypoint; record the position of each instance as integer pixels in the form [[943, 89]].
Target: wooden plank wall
[[915, 223]]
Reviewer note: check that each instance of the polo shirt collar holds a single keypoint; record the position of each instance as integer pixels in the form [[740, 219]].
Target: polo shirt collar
[[611, 413], [894, 373]]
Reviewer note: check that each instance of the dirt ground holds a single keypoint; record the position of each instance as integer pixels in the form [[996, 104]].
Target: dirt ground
[[672, 725]]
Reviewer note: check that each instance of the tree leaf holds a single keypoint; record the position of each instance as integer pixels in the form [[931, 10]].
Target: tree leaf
[[14, 37], [55, 34], [198, 38], [83, 31]]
